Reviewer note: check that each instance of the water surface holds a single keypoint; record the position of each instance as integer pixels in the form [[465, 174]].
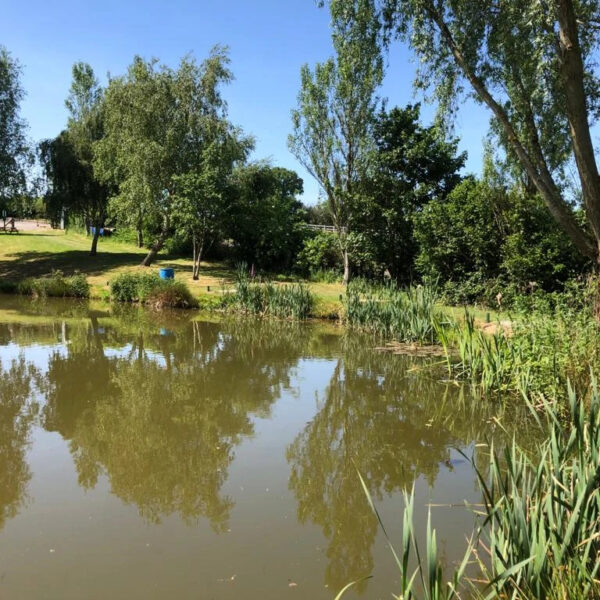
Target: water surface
[[155, 456]]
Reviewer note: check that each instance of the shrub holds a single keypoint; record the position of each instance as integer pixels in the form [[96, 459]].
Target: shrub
[[149, 288], [320, 251], [56, 285]]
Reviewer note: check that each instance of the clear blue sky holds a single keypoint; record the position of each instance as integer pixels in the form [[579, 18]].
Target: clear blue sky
[[269, 41]]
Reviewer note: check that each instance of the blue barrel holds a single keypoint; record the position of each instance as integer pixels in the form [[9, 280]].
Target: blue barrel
[[167, 273]]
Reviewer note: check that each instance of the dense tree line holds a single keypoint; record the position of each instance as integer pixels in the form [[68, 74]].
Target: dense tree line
[[155, 153]]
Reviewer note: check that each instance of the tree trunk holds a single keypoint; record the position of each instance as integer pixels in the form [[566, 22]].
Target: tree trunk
[[346, 259], [540, 175], [158, 245], [140, 237], [573, 75], [94, 248], [197, 249]]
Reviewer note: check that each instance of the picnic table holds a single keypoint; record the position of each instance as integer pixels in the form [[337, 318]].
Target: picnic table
[[9, 227]]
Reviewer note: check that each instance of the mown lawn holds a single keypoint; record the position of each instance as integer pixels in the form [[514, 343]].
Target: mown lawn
[[39, 252]]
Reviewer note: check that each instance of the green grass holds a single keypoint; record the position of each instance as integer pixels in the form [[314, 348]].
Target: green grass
[[38, 253]]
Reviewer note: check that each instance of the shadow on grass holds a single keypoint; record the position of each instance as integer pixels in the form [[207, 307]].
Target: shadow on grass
[[20, 265], [33, 264]]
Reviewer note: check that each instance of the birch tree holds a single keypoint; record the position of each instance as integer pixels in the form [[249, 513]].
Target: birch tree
[[158, 123]]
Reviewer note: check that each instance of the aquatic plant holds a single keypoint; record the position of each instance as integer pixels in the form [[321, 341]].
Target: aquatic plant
[[537, 353], [539, 535], [542, 513], [293, 301], [406, 315]]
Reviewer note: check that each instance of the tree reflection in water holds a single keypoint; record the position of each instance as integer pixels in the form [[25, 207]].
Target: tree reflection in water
[[17, 411], [162, 418], [393, 421]]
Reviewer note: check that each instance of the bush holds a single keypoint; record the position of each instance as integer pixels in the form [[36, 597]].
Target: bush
[[55, 285], [150, 289], [320, 251]]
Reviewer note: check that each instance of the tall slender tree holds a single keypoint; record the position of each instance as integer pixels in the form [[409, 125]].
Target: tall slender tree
[[85, 127], [14, 150], [336, 110]]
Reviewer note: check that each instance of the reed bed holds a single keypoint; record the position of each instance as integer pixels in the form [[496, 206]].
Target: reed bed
[[55, 285], [288, 301], [539, 354], [406, 315]]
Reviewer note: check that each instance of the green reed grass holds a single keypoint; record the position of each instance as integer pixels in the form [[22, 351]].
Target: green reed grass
[[290, 301], [406, 315], [538, 354], [55, 285]]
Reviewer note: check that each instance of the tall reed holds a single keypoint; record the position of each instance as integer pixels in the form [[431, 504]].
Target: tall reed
[[406, 315], [539, 353], [293, 301], [539, 535]]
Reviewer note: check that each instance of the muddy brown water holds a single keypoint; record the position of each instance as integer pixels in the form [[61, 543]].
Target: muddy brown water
[[164, 456]]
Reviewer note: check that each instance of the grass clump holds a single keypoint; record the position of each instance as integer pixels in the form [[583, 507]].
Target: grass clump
[[150, 289], [291, 301], [55, 285], [406, 315]]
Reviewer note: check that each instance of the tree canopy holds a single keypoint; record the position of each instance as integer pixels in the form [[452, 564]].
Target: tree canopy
[[532, 64], [14, 150], [159, 123]]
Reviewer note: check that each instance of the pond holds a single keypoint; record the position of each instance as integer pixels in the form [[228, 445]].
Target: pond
[[145, 455]]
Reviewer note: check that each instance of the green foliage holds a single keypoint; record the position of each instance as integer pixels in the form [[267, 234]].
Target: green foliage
[[320, 251], [151, 290], [293, 301], [533, 64], [160, 124], [265, 219], [537, 352], [460, 235], [55, 285], [405, 315], [543, 512], [73, 185], [411, 165], [14, 152], [481, 240]]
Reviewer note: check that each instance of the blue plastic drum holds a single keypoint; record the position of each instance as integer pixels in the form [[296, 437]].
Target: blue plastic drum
[[167, 273]]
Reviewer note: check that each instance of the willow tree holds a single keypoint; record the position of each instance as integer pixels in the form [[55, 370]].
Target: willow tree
[[158, 123], [336, 110], [531, 62]]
